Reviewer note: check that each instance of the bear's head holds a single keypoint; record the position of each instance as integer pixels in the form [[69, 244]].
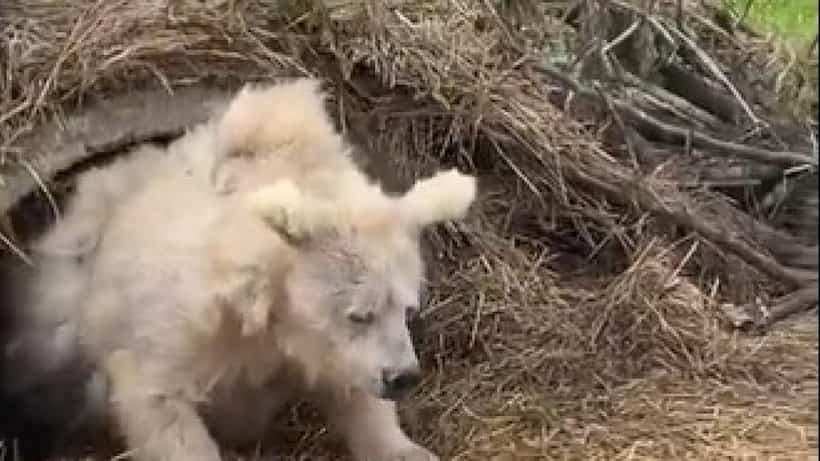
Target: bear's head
[[357, 276]]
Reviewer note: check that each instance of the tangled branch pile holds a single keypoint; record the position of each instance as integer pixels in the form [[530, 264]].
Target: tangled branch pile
[[635, 182]]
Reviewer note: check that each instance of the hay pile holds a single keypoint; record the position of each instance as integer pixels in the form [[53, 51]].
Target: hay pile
[[581, 312]]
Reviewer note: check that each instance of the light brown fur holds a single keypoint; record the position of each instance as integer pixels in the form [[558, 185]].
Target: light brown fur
[[253, 264]]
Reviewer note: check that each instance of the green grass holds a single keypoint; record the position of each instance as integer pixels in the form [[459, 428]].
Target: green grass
[[793, 20], [793, 23]]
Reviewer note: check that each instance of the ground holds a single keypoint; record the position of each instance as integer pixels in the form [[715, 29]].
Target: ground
[[561, 324]]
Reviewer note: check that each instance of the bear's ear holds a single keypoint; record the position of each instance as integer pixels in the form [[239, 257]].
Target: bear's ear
[[445, 196], [289, 212]]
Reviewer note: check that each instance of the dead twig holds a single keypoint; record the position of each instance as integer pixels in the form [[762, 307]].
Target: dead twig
[[799, 301], [759, 318], [679, 135]]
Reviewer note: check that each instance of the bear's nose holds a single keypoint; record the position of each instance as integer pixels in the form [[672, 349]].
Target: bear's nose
[[398, 382]]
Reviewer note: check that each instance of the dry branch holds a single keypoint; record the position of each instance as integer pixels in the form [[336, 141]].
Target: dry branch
[[700, 91], [675, 134], [729, 239], [798, 301], [759, 317], [678, 104], [678, 212], [686, 94]]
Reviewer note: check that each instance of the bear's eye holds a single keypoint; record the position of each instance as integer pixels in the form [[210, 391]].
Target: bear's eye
[[362, 318]]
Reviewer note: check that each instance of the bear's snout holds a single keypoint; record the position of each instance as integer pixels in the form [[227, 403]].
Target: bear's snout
[[398, 382]]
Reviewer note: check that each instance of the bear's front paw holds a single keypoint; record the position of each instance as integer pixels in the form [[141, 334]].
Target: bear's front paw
[[412, 453]]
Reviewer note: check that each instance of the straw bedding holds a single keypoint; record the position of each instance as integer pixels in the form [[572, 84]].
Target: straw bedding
[[574, 316]]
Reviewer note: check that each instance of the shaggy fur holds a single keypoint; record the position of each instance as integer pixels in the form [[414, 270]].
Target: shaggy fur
[[250, 264]]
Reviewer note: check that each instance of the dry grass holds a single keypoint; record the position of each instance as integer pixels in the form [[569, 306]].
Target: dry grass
[[526, 358]]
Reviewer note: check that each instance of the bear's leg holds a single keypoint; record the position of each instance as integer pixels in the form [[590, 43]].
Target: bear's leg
[[370, 426], [157, 426]]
